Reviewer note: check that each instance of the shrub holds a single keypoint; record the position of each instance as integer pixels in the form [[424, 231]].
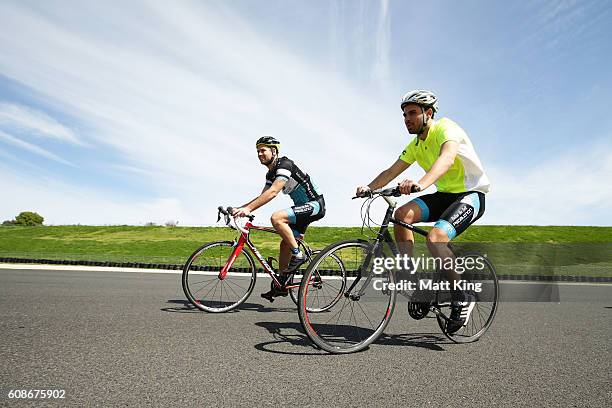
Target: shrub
[[29, 218]]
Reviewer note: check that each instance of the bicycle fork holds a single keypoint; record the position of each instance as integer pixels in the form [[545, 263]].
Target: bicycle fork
[[238, 248], [366, 262]]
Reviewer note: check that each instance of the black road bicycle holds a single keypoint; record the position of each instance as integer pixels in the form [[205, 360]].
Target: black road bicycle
[[366, 306]]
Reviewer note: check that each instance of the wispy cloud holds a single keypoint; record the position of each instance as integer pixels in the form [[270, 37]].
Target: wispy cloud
[[175, 96], [570, 189], [556, 24], [32, 148], [551, 12], [14, 116], [360, 39], [192, 112], [62, 203], [383, 34]]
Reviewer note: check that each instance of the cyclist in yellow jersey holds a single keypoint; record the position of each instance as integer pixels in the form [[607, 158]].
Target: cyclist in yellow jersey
[[447, 155]]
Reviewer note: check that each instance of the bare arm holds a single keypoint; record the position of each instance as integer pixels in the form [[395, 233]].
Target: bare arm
[[262, 191], [265, 197], [387, 175]]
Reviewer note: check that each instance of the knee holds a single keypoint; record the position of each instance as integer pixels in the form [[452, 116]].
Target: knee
[[436, 236], [405, 214], [277, 218]]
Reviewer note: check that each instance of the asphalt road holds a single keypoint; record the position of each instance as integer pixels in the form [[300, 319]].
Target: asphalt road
[[110, 338]]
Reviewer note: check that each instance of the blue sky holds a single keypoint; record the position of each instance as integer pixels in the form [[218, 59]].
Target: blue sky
[[138, 112]]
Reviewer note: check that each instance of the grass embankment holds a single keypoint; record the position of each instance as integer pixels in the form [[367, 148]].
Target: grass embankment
[[513, 249]]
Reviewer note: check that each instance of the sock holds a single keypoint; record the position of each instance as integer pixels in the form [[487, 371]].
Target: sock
[[295, 251]]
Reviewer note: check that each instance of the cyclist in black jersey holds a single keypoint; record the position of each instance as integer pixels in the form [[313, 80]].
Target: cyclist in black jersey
[[284, 175]]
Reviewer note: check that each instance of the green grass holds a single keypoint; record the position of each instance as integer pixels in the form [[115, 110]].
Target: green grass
[[513, 249]]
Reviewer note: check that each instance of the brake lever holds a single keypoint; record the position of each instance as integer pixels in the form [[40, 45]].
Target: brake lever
[[368, 194], [413, 189], [228, 214]]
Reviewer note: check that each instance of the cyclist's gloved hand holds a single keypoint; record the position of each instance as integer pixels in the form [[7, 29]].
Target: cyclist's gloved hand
[[408, 186], [241, 212], [363, 191]]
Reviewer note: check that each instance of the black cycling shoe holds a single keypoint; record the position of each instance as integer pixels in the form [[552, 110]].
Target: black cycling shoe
[[460, 313], [275, 292]]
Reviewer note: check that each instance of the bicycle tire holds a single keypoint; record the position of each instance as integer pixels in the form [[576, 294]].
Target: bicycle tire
[[340, 337], [333, 288], [484, 310], [201, 283]]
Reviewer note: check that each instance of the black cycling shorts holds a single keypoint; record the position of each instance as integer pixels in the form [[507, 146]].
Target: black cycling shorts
[[300, 216], [452, 212]]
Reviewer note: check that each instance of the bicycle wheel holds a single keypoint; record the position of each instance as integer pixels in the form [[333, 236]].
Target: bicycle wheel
[[293, 292], [329, 282], [201, 282], [361, 313], [481, 282]]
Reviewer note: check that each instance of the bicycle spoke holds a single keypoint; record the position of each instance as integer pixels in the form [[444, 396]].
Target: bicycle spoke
[[354, 320], [235, 284], [366, 316], [209, 282], [213, 288], [218, 295], [484, 309]]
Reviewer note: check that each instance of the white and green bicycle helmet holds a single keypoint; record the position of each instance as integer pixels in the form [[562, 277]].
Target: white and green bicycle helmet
[[423, 98]]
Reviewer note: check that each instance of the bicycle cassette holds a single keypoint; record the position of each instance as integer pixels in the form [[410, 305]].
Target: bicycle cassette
[[418, 310]]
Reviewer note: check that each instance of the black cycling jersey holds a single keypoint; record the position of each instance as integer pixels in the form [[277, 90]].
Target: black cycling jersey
[[299, 186]]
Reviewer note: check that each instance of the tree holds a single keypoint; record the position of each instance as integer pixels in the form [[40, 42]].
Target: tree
[[29, 218]]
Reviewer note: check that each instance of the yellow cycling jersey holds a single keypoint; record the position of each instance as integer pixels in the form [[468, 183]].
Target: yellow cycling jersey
[[465, 174]]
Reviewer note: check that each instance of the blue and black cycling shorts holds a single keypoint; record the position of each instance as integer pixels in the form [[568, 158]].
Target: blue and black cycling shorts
[[300, 216], [452, 212]]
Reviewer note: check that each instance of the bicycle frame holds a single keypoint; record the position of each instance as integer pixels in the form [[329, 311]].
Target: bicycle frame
[[383, 236], [246, 240], [358, 328]]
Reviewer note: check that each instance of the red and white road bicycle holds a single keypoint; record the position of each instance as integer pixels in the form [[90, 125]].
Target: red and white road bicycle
[[220, 276]]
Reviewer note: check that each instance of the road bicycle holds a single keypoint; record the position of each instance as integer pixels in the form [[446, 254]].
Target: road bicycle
[[220, 276], [367, 304]]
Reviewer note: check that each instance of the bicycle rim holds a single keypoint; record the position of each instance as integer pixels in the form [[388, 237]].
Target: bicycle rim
[[329, 283], [486, 305], [201, 282], [356, 318]]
